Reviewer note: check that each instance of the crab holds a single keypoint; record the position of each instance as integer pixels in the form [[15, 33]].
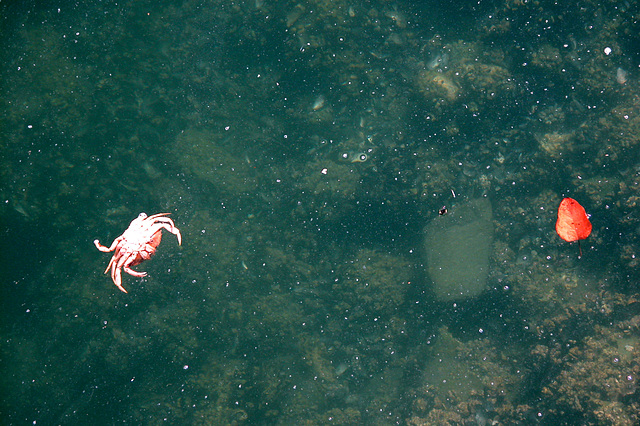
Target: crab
[[137, 244]]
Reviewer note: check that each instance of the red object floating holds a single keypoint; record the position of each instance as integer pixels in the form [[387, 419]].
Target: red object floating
[[573, 223]]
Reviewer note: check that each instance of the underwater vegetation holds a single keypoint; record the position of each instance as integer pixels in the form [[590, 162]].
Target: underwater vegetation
[[366, 195]]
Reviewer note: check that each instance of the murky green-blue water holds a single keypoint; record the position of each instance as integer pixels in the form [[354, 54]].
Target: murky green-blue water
[[302, 149]]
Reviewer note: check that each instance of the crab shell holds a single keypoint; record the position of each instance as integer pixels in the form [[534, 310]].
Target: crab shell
[[137, 244]]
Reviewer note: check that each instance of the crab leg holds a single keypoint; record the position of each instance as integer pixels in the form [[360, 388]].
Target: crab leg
[[169, 226], [112, 263], [116, 276], [153, 216], [105, 248], [116, 273], [130, 271]]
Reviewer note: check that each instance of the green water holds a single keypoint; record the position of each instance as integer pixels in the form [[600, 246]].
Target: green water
[[301, 149]]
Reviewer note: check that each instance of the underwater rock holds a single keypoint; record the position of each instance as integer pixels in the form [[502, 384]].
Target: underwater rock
[[457, 248], [219, 159], [555, 143], [438, 84]]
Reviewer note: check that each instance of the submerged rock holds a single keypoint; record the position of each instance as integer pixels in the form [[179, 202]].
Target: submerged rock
[[457, 248]]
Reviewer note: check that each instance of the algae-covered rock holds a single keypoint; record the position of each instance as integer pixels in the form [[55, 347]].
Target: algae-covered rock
[[218, 159], [457, 248]]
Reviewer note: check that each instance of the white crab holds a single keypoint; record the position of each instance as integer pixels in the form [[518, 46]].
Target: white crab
[[137, 244]]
